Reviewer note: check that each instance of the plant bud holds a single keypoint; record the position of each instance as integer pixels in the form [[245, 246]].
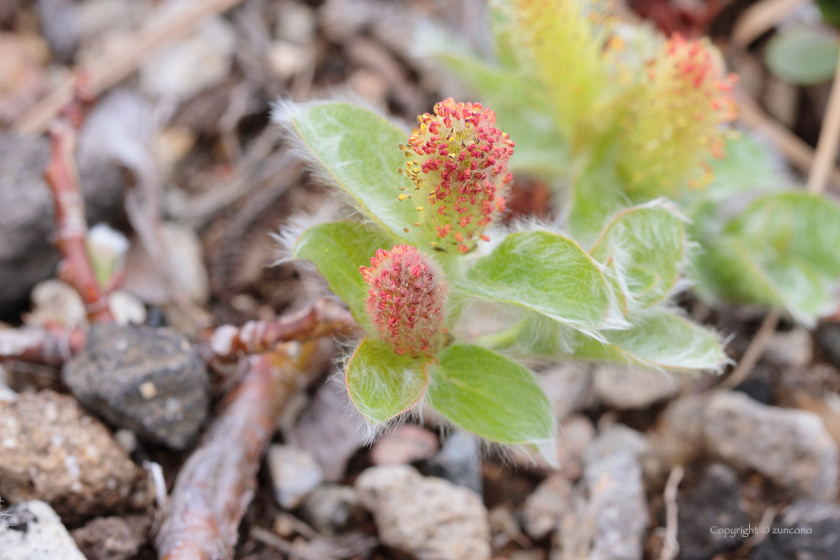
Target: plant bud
[[678, 120], [407, 300], [459, 165]]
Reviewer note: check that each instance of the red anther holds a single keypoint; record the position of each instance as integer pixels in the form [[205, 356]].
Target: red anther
[[407, 299]]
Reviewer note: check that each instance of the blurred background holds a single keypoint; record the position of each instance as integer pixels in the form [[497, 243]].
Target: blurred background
[[178, 152]]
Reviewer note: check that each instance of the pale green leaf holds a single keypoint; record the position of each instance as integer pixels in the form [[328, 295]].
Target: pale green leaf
[[381, 383], [731, 270], [795, 223], [521, 107], [595, 192], [490, 395], [338, 250], [803, 55], [659, 339], [644, 246], [359, 152], [547, 273], [782, 252], [748, 165]]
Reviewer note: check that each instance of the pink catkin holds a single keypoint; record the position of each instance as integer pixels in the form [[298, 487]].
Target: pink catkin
[[407, 300], [461, 169]]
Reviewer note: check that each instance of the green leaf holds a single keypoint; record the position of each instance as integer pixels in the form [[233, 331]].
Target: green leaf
[[547, 273], [830, 11], [781, 252], [381, 383], [522, 110], [595, 191], [490, 395], [644, 246], [748, 164], [803, 55], [338, 250], [659, 339], [795, 223], [359, 152]]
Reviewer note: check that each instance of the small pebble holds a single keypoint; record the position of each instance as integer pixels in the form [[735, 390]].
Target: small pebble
[[294, 473]]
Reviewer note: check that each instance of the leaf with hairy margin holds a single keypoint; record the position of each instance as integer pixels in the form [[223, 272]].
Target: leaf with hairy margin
[[338, 250], [660, 339], [490, 395], [644, 246], [781, 252], [383, 384], [547, 273], [360, 153]]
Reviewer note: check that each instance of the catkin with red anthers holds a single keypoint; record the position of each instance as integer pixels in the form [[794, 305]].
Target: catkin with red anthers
[[458, 161], [679, 120], [407, 300]]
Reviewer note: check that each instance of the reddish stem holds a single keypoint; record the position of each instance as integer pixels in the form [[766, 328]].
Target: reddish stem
[[324, 318], [71, 227], [217, 482], [51, 345]]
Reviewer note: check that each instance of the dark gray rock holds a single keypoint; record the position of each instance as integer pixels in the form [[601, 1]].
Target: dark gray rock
[[828, 339], [27, 255], [459, 461], [712, 502], [147, 380], [805, 530]]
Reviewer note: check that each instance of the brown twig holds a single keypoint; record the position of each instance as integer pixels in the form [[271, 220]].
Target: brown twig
[[798, 153], [71, 226], [827, 145], [672, 547], [217, 482], [324, 318], [111, 68], [760, 18], [753, 353], [51, 345]]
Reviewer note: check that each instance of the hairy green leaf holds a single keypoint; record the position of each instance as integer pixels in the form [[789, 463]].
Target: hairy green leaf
[[490, 395], [659, 339], [645, 248], [381, 383], [781, 252], [803, 55], [338, 250], [359, 152], [547, 273], [794, 223]]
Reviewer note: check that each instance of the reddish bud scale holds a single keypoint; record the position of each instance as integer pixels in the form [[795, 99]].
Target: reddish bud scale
[[407, 300], [461, 169]]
